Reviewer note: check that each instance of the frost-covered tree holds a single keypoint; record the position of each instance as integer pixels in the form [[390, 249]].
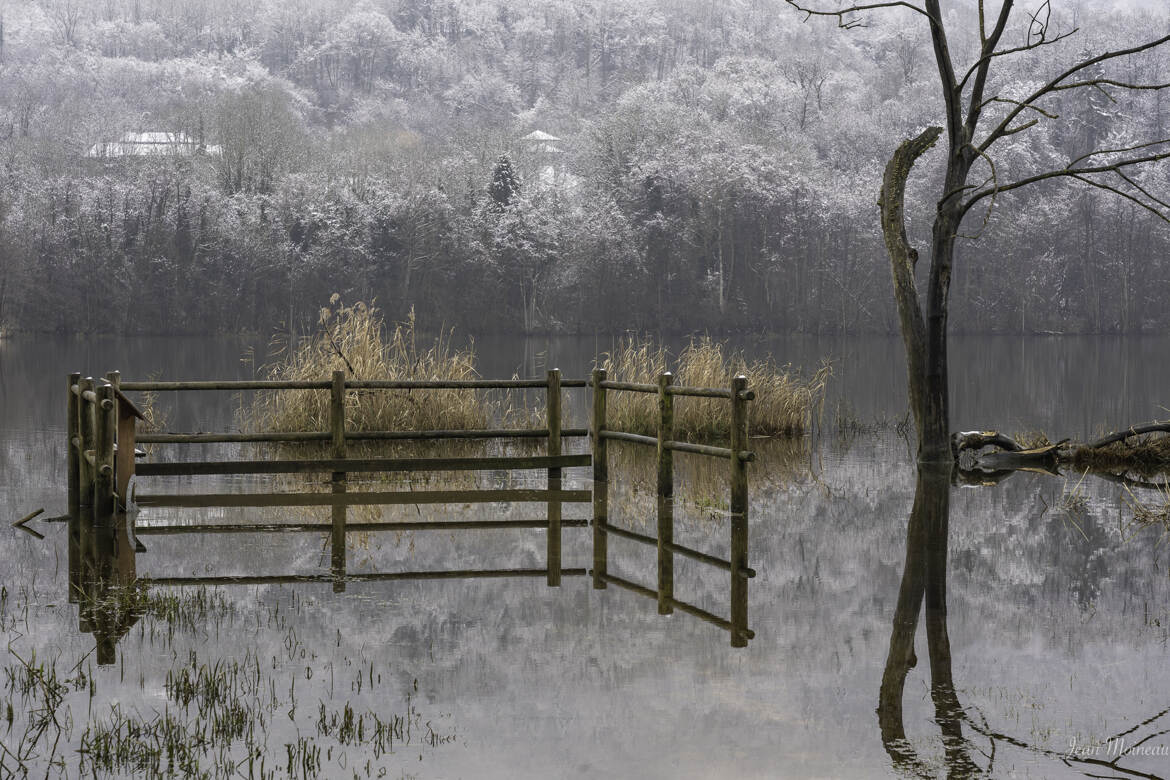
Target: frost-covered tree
[[981, 115]]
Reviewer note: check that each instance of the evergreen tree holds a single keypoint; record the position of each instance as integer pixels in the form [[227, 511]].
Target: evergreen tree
[[505, 182]]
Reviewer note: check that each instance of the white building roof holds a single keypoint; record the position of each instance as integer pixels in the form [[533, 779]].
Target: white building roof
[[151, 144], [539, 135]]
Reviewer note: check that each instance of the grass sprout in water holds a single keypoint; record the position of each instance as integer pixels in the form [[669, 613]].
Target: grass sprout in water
[[203, 709]]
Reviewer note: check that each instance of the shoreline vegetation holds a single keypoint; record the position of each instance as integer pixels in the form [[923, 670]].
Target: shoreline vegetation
[[786, 401], [1141, 450], [356, 339]]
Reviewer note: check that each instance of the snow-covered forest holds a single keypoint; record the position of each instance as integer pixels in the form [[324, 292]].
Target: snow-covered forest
[[499, 165]]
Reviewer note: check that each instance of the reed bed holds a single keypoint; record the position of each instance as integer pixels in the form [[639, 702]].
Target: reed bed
[[784, 405], [355, 339], [1148, 454]]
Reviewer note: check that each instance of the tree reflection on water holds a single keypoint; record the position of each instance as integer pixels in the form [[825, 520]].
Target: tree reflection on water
[[924, 581]]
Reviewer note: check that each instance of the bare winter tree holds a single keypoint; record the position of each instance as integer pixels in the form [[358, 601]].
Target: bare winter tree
[[977, 118]]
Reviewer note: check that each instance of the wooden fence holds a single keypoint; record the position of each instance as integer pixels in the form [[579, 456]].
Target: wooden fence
[[103, 436], [737, 455]]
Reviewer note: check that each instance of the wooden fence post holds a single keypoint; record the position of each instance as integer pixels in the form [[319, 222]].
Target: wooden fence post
[[739, 513], [103, 490], [85, 421], [73, 428], [73, 432], [124, 462], [339, 509], [600, 482], [665, 495], [554, 477]]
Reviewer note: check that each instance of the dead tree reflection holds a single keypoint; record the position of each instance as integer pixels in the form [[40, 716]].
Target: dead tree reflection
[[924, 579], [924, 582]]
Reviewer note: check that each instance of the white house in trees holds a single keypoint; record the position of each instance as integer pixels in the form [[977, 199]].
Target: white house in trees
[[151, 144], [543, 161]]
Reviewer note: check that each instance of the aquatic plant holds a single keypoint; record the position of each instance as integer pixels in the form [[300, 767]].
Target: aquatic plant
[[355, 339], [1145, 454], [784, 405]]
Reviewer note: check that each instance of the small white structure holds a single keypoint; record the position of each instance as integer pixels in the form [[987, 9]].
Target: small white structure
[[542, 156], [539, 136], [152, 144]]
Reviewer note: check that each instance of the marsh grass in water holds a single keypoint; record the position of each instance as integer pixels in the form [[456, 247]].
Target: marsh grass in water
[[785, 400], [356, 339], [1148, 455], [1155, 512], [218, 715]]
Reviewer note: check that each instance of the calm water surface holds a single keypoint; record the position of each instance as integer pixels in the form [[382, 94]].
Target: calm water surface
[[1056, 610]]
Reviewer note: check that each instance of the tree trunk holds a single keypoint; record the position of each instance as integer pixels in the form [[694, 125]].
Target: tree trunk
[[924, 404]]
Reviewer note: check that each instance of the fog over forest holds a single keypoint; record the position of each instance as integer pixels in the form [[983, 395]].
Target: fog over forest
[[191, 166]]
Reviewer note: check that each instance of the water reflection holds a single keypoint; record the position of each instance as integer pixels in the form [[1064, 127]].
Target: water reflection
[[923, 591], [112, 592], [103, 583], [924, 579]]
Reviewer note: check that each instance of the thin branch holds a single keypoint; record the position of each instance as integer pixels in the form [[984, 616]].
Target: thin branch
[[1019, 128], [994, 178], [1123, 194], [1144, 191], [1000, 129], [849, 24], [1080, 174], [1009, 101], [1015, 50], [1098, 152], [1036, 28], [1069, 758], [1109, 83]]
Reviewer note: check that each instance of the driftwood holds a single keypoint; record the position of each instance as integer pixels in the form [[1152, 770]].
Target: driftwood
[[982, 465], [1136, 430], [1049, 453], [977, 440], [1009, 454]]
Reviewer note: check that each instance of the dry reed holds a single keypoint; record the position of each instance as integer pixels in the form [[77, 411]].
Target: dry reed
[[355, 339], [784, 405], [1148, 454]]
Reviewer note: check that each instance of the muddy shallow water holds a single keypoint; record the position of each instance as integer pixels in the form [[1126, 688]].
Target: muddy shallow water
[[1056, 605]]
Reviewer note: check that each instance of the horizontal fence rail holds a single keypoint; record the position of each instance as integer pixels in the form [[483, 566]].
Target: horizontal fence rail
[[294, 528], [351, 384], [354, 465], [301, 436], [370, 498], [292, 579]]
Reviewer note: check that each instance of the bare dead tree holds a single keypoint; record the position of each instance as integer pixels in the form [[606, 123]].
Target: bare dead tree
[[969, 110]]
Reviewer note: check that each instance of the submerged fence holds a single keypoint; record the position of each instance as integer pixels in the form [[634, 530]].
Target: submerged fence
[[103, 435]]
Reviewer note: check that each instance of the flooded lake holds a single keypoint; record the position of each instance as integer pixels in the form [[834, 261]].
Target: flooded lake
[[1041, 645]]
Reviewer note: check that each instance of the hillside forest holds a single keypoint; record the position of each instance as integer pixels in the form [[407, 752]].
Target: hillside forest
[[224, 166]]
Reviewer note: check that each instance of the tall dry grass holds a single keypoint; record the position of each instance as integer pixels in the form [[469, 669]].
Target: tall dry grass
[[784, 405], [355, 339]]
